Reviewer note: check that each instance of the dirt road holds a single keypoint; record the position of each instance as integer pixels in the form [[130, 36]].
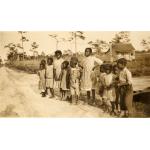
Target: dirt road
[[19, 97]]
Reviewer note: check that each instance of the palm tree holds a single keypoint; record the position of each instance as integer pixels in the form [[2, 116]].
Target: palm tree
[[23, 39], [74, 36], [34, 46], [55, 36]]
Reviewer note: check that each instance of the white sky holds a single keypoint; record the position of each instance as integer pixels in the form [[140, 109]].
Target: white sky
[[48, 45]]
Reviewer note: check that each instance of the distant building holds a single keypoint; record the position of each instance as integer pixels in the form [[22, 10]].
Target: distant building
[[123, 50]]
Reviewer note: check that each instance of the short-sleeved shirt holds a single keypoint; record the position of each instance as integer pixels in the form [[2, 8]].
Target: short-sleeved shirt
[[57, 66], [89, 62], [125, 76]]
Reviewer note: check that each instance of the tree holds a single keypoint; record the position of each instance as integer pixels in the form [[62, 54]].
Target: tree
[[23, 39], [34, 47], [74, 36], [12, 54], [99, 45], [123, 36], [146, 44]]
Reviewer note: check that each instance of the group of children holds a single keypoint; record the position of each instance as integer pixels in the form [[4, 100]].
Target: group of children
[[69, 78]]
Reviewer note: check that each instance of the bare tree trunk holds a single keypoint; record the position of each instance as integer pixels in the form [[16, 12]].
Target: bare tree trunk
[[75, 40]]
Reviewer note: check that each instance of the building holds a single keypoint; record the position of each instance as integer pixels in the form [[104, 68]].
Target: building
[[123, 50]]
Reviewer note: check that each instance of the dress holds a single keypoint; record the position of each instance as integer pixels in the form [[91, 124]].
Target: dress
[[88, 64], [49, 76], [109, 90], [41, 74], [75, 74], [65, 77], [57, 66]]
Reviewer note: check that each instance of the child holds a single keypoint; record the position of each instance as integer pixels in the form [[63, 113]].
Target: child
[[64, 78], [41, 74], [88, 65], [125, 88], [75, 76], [101, 79], [57, 70], [50, 77], [100, 85], [115, 82], [108, 95]]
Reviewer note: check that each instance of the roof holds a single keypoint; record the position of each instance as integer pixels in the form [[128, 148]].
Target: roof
[[123, 47]]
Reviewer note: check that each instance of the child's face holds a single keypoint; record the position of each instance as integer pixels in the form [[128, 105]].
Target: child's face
[[41, 66], [108, 71], [73, 64], [49, 62], [58, 55], [87, 52], [65, 65], [120, 66]]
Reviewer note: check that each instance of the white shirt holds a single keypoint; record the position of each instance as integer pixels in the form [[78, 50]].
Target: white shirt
[[89, 62], [57, 66], [125, 76]]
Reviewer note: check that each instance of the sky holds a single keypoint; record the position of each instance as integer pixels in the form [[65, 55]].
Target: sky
[[48, 45]]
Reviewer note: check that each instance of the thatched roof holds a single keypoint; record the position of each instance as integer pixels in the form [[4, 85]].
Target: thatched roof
[[123, 47]]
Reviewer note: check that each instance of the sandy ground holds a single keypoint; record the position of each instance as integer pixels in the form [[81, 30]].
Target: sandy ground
[[19, 97]]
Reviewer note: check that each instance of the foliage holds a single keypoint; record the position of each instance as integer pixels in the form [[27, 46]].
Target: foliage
[[123, 36]]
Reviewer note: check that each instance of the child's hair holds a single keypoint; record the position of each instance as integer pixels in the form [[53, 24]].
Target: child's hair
[[49, 59], [42, 66], [43, 61], [122, 61], [108, 67], [88, 48], [73, 61], [65, 63], [114, 68], [58, 52], [102, 68]]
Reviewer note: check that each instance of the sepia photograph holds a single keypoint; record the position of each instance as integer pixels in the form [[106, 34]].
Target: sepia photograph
[[74, 74]]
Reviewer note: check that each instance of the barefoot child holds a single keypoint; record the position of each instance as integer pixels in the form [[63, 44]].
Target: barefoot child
[[108, 95], [125, 88], [115, 82], [64, 80], [49, 77], [75, 76], [57, 70], [88, 65], [41, 74]]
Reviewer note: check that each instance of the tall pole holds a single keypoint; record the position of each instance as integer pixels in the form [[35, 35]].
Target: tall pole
[[22, 45], [111, 52], [75, 39]]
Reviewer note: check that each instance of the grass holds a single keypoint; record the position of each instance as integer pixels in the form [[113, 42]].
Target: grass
[[139, 67]]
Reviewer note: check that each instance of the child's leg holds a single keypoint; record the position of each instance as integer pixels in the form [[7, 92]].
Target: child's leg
[[62, 94], [93, 97], [88, 97], [52, 92], [73, 99]]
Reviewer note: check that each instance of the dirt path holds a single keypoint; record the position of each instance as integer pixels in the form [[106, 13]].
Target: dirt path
[[20, 97]]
